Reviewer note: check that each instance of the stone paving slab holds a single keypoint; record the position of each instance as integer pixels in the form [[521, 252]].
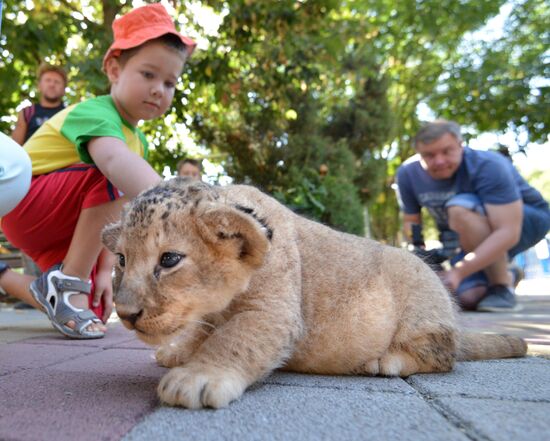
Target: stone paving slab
[[16, 335], [116, 335], [53, 388], [272, 412], [14, 357], [115, 362], [27, 319], [133, 344], [367, 384], [512, 380], [500, 420], [52, 405]]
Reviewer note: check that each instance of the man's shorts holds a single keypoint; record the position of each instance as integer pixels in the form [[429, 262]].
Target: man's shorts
[[536, 223], [43, 223]]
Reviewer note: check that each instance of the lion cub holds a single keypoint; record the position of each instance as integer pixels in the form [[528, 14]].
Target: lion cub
[[232, 285]]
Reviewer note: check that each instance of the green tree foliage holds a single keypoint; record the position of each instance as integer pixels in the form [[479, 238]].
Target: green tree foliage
[[72, 39], [286, 93], [312, 101], [502, 84], [540, 179]]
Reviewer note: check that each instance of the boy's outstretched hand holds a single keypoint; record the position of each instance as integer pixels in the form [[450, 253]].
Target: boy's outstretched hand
[[104, 284]]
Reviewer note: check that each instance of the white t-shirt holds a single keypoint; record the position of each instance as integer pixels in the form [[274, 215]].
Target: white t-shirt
[[15, 174]]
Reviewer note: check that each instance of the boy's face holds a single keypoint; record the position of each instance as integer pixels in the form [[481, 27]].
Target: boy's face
[[190, 170], [144, 87]]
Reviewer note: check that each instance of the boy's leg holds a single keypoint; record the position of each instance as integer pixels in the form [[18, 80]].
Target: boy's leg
[[17, 285], [60, 213], [86, 242], [86, 245]]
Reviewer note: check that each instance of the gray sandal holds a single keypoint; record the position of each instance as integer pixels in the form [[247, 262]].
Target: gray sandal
[[53, 290]]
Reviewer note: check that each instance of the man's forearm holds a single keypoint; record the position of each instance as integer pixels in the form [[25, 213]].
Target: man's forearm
[[494, 247], [408, 221]]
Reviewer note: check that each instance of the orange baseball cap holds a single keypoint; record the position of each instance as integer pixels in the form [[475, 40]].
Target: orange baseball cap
[[141, 25]]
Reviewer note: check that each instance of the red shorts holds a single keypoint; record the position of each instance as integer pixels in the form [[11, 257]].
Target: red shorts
[[43, 223]]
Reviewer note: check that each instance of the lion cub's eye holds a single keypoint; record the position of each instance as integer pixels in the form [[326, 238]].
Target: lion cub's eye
[[168, 260], [121, 260]]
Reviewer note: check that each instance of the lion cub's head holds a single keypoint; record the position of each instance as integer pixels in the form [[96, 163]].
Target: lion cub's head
[[182, 252]]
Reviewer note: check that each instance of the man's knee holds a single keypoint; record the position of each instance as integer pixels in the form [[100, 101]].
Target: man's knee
[[462, 219], [465, 211]]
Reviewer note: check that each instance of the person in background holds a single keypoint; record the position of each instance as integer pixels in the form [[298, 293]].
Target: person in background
[[51, 88], [191, 168], [481, 199]]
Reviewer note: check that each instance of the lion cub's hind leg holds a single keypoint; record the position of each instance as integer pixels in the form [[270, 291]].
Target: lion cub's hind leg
[[431, 352]]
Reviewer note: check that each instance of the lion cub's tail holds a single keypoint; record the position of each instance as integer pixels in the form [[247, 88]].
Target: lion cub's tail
[[477, 346]]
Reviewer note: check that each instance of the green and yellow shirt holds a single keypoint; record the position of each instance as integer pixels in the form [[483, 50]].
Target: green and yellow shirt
[[63, 139]]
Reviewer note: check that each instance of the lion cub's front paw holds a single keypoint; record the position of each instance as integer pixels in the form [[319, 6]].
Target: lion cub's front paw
[[200, 386], [168, 356]]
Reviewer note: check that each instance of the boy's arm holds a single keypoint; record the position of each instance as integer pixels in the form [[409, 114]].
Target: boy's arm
[[126, 170], [18, 134], [104, 283]]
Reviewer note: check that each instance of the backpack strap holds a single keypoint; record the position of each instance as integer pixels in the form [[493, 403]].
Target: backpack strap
[[28, 113]]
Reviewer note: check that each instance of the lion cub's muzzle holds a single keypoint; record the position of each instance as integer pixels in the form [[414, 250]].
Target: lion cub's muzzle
[[128, 316]]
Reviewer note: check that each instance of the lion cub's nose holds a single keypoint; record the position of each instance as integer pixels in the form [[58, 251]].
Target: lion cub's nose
[[128, 316]]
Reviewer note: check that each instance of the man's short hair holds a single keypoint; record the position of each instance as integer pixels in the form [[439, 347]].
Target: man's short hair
[[195, 162], [45, 67], [435, 130]]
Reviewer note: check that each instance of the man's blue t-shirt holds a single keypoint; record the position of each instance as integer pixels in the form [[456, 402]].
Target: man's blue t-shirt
[[489, 175]]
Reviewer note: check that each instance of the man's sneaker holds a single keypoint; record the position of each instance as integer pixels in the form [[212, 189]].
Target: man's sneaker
[[499, 298], [517, 274]]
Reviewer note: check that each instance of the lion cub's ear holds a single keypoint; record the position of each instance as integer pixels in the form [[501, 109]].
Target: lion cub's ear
[[234, 234], [109, 236]]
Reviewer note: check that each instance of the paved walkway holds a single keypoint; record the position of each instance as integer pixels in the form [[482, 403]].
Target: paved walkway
[[56, 389]]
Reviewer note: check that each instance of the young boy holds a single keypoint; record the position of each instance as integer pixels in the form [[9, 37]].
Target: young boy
[[88, 160]]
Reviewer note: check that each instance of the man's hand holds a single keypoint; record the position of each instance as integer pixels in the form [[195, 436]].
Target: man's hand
[[504, 223], [18, 134], [451, 279], [408, 221]]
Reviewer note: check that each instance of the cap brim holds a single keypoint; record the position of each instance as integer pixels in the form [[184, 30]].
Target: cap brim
[[123, 44], [151, 35]]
